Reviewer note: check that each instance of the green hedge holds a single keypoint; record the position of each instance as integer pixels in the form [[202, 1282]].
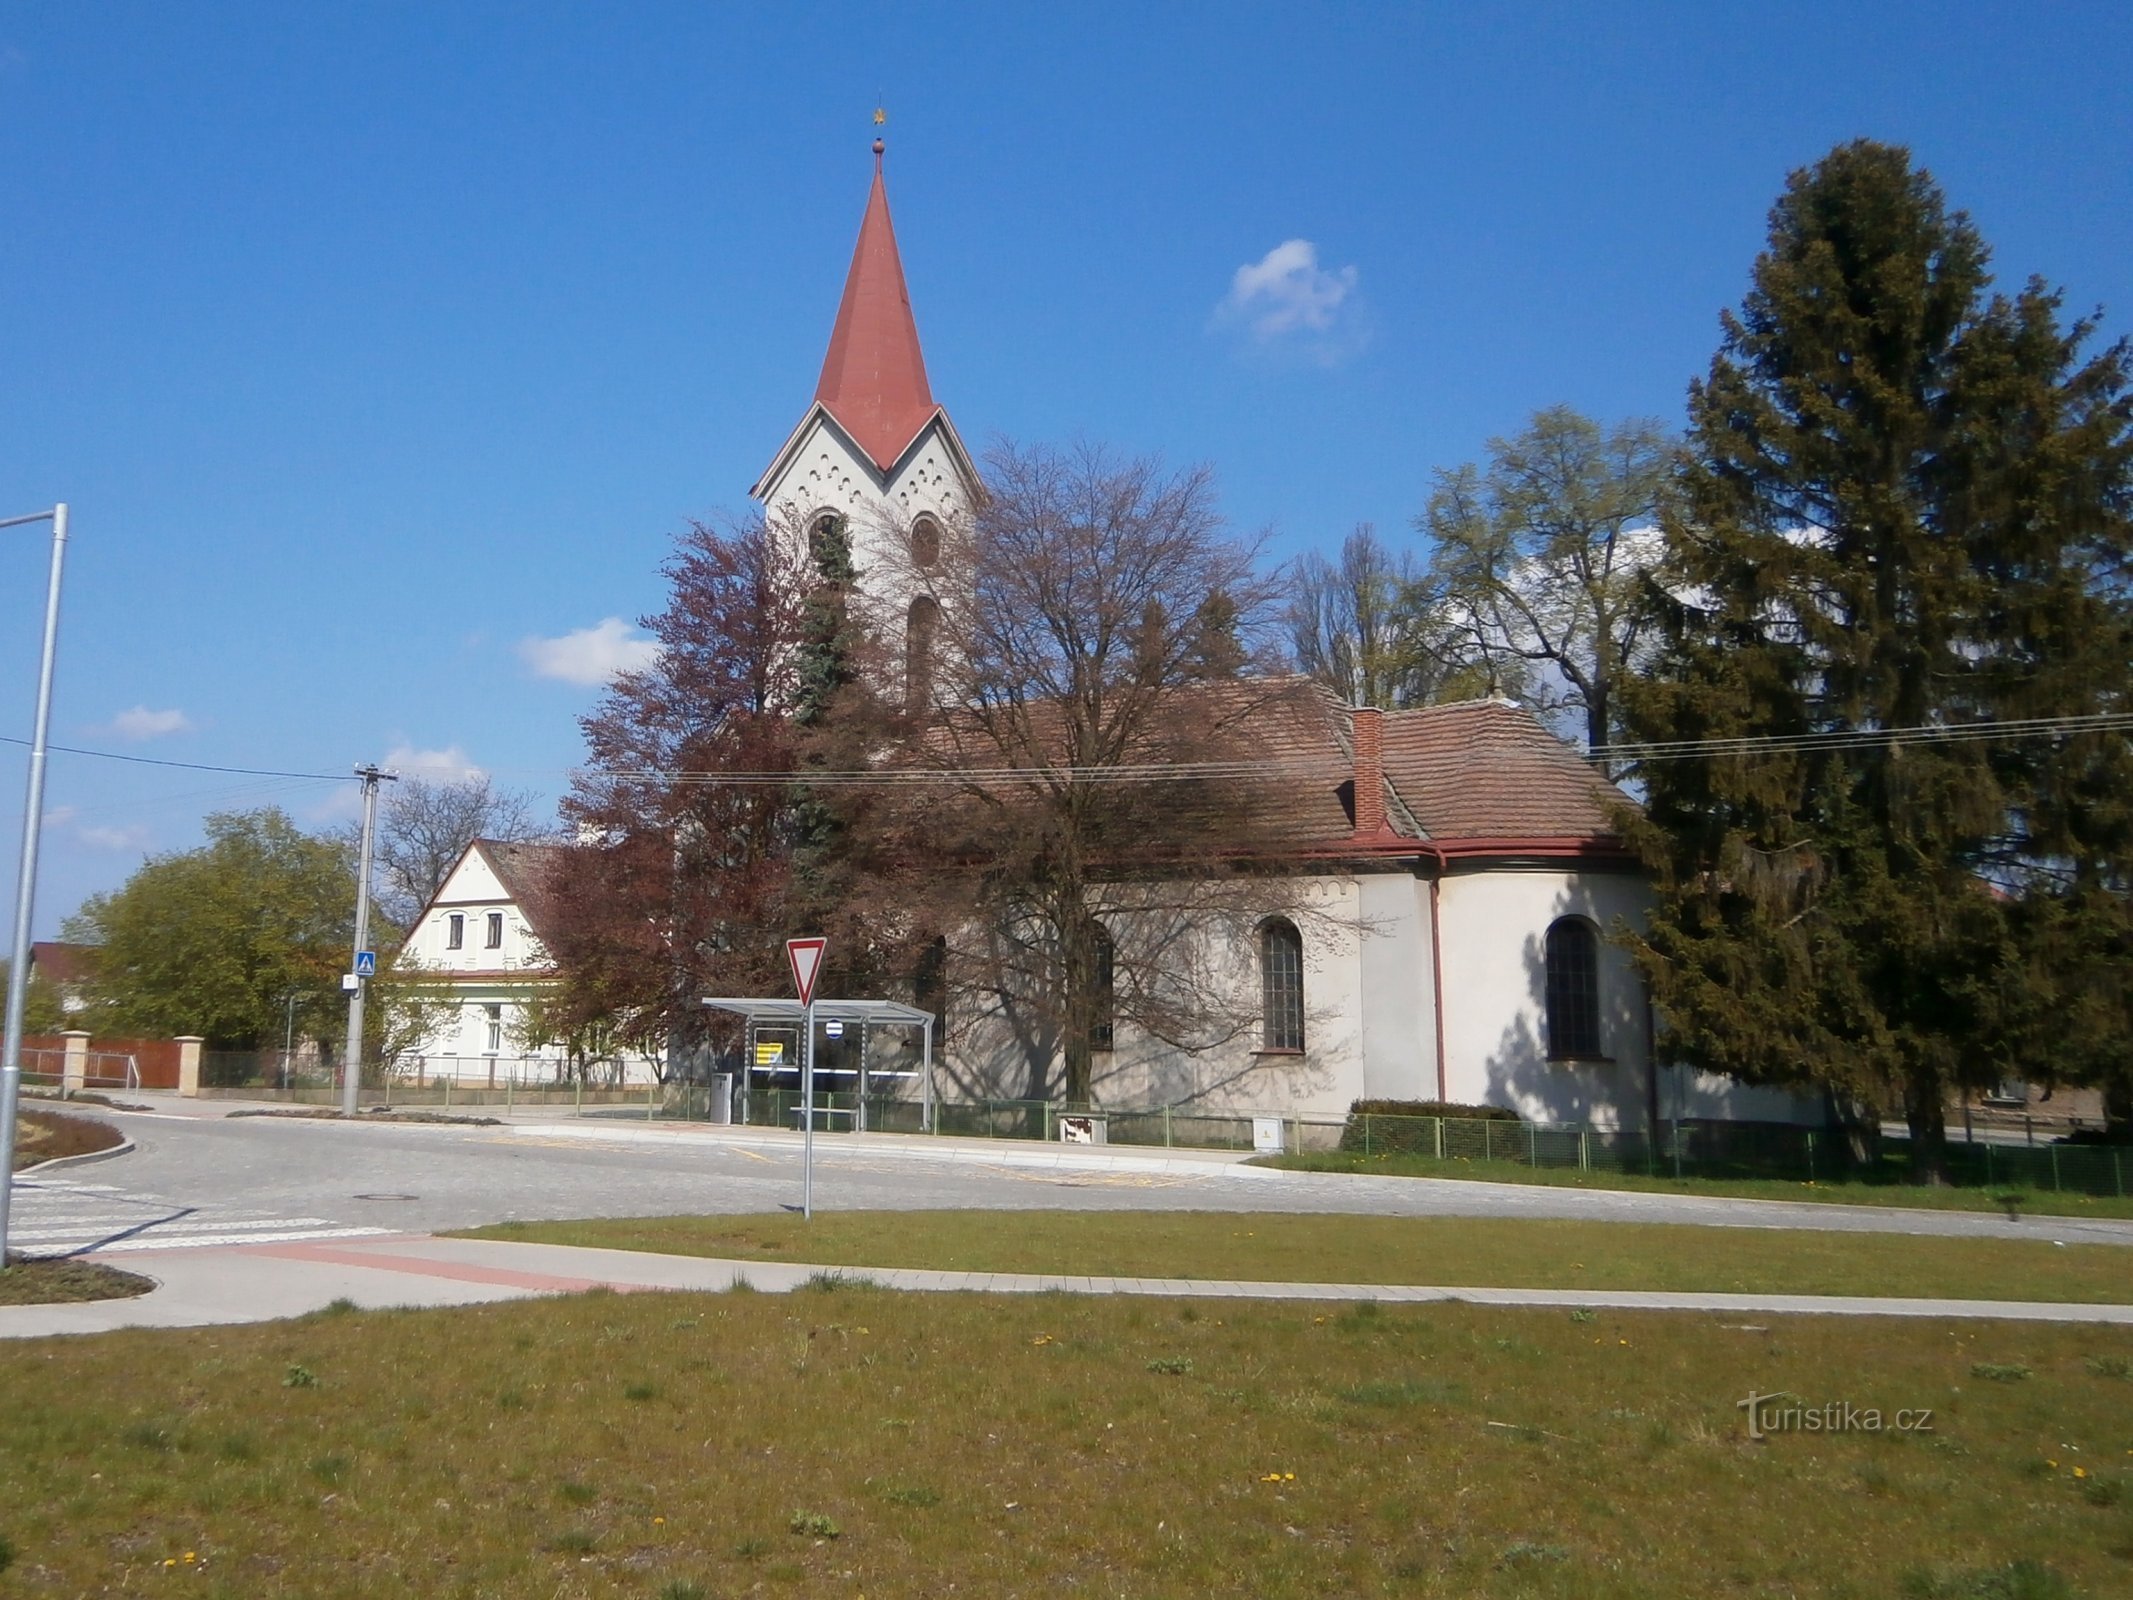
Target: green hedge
[[1409, 1126]]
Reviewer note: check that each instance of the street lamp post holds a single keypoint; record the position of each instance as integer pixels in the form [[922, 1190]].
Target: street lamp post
[[18, 973]]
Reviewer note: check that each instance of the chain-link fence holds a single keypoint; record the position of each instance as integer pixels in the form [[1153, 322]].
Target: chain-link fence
[[1736, 1150]]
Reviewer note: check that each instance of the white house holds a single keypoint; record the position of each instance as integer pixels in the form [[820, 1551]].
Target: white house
[[1464, 874], [478, 942]]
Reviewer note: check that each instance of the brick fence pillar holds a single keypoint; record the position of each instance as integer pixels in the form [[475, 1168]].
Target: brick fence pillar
[[189, 1063], [74, 1072]]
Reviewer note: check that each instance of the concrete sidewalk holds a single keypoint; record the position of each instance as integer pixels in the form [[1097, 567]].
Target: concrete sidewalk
[[936, 1147], [259, 1283]]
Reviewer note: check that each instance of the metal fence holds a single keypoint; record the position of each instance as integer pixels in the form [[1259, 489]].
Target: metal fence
[[1676, 1149], [102, 1070], [1736, 1150]]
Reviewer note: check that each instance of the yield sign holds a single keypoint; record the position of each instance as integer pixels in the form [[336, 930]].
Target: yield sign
[[806, 958]]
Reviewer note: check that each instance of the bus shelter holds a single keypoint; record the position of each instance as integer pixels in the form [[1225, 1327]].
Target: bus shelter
[[780, 1023]]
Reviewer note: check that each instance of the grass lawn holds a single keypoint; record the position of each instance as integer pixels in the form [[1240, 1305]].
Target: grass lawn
[[44, 1283], [859, 1442], [2031, 1202], [1467, 1252], [48, 1135]]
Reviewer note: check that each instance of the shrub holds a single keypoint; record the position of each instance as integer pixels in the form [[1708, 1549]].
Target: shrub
[[1400, 1125]]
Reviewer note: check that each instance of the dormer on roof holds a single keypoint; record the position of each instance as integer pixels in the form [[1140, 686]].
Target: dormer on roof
[[874, 448]]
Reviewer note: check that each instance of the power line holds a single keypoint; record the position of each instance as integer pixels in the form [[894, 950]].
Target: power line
[[1868, 738], [188, 766], [1208, 771]]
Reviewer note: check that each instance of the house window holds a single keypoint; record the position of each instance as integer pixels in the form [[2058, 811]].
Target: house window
[[496, 930], [495, 1034], [1281, 985], [1103, 1017], [1573, 990], [919, 625], [455, 931]]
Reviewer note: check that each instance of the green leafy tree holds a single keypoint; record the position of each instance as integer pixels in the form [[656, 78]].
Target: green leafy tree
[[43, 1009], [211, 941], [1905, 510], [1539, 564]]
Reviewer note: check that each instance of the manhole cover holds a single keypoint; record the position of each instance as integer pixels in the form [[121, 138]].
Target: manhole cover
[[388, 1197]]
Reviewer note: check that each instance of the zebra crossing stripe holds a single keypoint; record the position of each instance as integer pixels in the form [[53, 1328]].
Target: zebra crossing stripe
[[58, 1217]]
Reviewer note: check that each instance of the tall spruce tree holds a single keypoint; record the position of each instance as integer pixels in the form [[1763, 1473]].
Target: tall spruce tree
[[1906, 508]]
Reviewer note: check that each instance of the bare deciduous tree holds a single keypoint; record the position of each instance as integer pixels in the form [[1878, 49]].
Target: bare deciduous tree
[[1358, 624], [424, 828], [1100, 665]]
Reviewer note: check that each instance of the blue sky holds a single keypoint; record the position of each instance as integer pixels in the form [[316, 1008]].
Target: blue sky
[[374, 344]]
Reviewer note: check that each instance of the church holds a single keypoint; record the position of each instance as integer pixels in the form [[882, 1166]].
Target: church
[[1463, 869]]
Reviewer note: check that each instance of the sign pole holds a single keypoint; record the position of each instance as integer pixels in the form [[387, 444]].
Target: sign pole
[[805, 956], [807, 1140]]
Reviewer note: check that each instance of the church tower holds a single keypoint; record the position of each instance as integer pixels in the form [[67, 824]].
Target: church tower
[[874, 448]]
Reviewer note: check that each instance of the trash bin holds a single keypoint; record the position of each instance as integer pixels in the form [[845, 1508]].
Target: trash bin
[[720, 1108]]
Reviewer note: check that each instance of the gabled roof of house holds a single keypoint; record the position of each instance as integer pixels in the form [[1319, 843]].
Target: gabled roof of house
[[61, 963], [518, 867]]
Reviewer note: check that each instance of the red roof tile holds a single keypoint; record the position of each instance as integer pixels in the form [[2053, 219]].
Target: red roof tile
[[1487, 769]]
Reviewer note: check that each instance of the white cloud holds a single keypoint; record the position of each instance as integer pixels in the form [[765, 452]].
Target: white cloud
[[133, 837], [1286, 300], [140, 723], [449, 765], [590, 655]]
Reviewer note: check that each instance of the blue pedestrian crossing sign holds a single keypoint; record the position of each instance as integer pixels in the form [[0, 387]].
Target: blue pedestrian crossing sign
[[366, 963]]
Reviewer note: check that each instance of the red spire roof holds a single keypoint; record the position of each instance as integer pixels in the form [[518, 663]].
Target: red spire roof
[[874, 377]]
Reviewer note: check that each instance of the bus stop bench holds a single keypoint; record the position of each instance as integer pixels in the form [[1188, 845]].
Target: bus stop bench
[[824, 1114]]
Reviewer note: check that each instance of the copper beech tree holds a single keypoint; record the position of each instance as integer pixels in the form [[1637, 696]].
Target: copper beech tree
[[677, 879]]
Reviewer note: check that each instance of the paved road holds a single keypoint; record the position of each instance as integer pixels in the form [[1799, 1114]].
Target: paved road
[[213, 1173]]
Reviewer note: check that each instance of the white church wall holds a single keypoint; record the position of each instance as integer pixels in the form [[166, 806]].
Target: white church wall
[[990, 1048], [1395, 991], [1495, 926]]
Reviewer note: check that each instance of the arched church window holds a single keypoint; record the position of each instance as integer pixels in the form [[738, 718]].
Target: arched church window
[[1573, 959], [925, 542], [1281, 985], [921, 622], [821, 532], [1103, 1014], [929, 985]]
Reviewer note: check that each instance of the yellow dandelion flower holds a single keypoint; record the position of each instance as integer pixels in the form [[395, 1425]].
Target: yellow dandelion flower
[[2081, 1472]]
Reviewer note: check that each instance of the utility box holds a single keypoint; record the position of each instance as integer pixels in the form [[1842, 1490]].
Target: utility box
[[1083, 1130], [1266, 1136], [719, 1108]]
